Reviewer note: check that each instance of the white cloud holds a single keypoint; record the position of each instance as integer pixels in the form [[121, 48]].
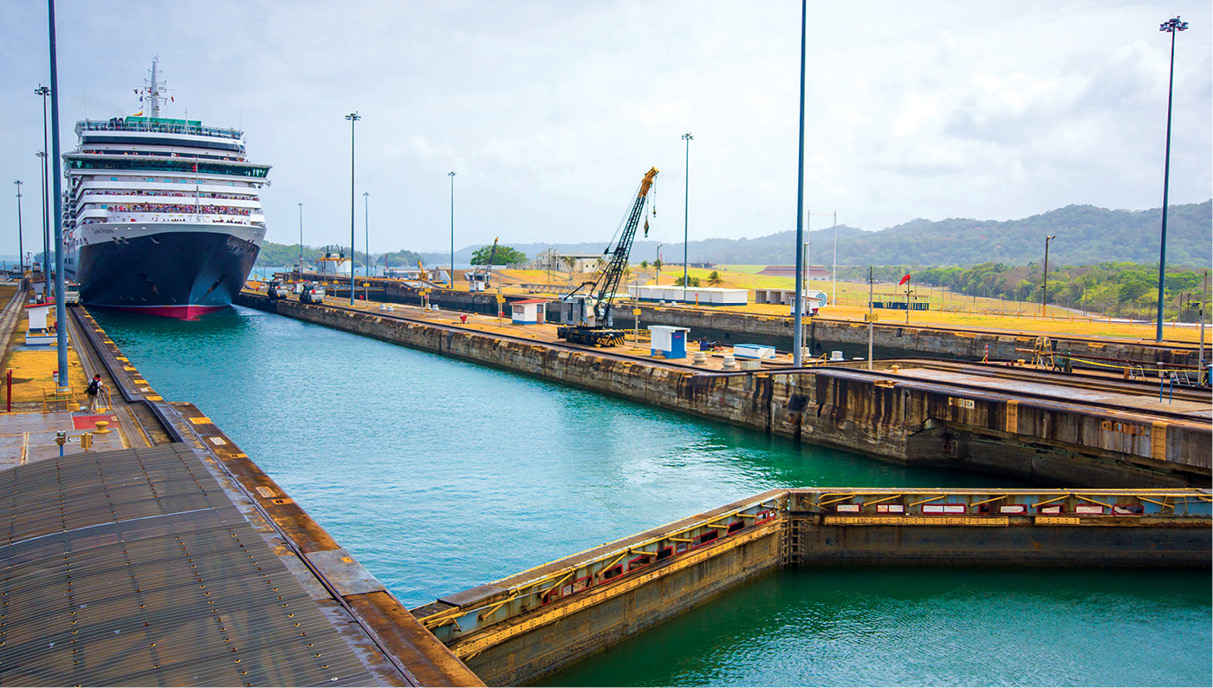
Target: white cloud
[[551, 111]]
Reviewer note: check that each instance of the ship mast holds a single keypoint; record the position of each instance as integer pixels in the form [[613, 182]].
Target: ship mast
[[153, 90]]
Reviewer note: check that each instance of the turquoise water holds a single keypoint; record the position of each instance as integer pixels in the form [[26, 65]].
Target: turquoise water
[[440, 475]]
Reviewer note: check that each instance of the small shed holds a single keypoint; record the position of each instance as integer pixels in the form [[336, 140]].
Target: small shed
[[528, 311], [39, 331], [669, 341]]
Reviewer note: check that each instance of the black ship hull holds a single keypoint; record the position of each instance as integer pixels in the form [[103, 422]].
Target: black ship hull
[[173, 274]]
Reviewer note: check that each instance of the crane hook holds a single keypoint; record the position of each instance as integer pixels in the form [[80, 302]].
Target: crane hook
[[646, 227]]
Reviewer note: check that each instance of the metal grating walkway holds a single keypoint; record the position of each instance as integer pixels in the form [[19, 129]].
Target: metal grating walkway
[[133, 567]]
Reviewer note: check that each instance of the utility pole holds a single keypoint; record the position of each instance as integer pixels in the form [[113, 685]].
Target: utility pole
[[808, 251], [798, 311], [452, 176], [20, 245], [871, 324], [352, 117], [301, 240], [686, 206], [834, 275], [366, 219], [1171, 26], [1204, 293], [46, 216], [57, 180], [1044, 280], [907, 302]]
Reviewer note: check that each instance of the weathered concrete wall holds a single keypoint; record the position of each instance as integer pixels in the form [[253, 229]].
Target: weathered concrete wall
[[819, 543], [905, 421], [552, 637]]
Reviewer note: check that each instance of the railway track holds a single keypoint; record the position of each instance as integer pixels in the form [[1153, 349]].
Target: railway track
[[97, 358], [1075, 380]]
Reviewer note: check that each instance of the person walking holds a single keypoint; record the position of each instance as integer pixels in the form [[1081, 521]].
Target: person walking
[[94, 392]]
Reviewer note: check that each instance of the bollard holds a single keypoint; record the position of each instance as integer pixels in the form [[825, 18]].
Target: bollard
[[86, 440], [103, 427]]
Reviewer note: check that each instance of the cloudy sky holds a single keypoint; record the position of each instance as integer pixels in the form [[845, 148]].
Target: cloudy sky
[[550, 112]]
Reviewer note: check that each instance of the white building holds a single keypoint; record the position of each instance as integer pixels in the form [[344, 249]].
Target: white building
[[702, 296]]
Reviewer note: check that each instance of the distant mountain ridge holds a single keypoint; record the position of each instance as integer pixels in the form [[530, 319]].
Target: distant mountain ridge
[[1086, 235]]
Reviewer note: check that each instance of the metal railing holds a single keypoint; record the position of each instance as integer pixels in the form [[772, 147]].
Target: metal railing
[[520, 593], [1161, 502]]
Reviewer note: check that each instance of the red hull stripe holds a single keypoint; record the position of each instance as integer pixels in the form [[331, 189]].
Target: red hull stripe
[[178, 312]]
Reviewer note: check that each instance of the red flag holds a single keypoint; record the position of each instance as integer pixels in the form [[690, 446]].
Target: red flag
[[904, 279]]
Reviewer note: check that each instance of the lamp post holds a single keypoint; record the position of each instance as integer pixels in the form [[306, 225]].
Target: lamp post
[[451, 174], [366, 230], [46, 275], [686, 205], [1171, 26], [57, 180], [798, 310], [1044, 279], [834, 272], [46, 217], [352, 117], [20, 246], [300, 239]]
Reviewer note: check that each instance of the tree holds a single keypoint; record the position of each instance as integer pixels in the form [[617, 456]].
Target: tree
[[505, 256], [714, 279], [691, 281], [644, 265]]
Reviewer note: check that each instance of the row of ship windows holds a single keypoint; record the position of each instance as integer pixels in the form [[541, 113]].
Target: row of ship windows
[[176, 218], [198, 168], [170, 208], [166, 180], [170, 154], [175, 194]]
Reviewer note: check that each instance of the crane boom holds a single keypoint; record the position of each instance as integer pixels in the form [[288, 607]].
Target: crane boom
[[602, 289], [608, 281]]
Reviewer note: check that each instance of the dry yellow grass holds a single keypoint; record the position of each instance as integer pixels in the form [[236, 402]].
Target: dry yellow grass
[[33, 369], [948, 309]]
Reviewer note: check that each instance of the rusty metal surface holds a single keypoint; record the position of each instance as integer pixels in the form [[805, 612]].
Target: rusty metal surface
[[344, 572], [134, 568]]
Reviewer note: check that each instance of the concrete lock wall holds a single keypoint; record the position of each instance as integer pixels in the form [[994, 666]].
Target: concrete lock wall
[[813, 527], [819, 543], [905, 422]]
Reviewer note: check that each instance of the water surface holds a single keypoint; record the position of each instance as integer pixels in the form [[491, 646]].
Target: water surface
[[440, 475]]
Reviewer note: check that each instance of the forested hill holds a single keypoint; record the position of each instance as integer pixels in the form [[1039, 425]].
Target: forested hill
[[1086, 235]]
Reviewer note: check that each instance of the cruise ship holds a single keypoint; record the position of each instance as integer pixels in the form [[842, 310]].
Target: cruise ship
[[161, 216]]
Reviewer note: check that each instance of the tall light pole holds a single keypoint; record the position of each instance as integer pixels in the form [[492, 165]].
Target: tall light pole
[[46, 216], [366, 230], [1044, 279], [301, 239], [451, 174], [46, 275], [352, 117], [686, 206], [57, 180], [834, 273], [20, 245], [1171, 26], [798, 310]]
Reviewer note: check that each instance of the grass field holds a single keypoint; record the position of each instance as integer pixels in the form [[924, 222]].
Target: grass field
[[947, 309]]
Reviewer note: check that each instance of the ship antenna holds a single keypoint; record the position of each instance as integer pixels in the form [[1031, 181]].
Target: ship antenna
[[154, 90]]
